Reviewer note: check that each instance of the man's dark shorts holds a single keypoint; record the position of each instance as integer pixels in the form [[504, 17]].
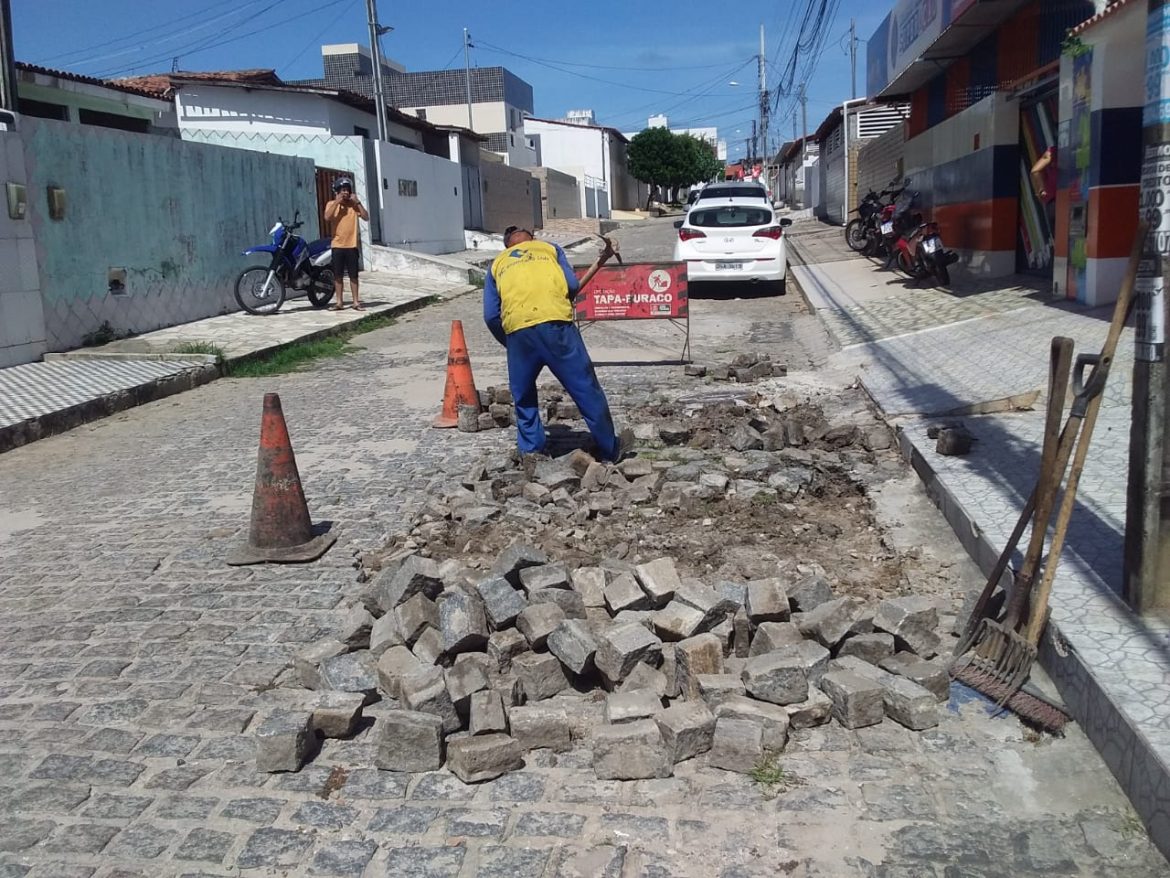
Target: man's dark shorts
[[345, 262]]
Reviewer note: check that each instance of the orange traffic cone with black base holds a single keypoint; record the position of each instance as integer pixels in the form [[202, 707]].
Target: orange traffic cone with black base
[[281, 530], [460, 389]]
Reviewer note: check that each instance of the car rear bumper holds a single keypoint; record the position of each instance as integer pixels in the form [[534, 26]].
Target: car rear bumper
[[746, 270]]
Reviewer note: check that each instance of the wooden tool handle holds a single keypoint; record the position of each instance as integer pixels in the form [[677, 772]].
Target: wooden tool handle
[[1039, 614]]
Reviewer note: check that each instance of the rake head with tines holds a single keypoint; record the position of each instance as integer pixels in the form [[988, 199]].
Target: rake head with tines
[[999, 659]]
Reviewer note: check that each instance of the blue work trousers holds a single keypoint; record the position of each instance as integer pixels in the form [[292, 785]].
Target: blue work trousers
[[560, 347]]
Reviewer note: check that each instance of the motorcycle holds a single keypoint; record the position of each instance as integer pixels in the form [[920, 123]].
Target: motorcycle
[[861, 234], [295, 264], [921, 253]]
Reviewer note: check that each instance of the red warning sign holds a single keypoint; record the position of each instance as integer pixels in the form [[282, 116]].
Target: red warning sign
[[637, 291]]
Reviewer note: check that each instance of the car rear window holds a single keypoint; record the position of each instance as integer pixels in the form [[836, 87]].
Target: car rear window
[[729, 216], [733, 192]]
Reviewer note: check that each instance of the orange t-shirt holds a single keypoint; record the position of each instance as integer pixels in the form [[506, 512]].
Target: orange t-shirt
[[345, 226]]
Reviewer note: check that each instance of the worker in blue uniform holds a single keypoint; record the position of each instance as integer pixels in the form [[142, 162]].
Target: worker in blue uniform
[[528, 306]]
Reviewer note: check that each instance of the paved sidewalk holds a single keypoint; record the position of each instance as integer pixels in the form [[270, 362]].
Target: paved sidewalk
[[66, 390], [921, 352]]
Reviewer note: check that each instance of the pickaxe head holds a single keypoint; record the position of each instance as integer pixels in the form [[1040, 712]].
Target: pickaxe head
[[611, 248]]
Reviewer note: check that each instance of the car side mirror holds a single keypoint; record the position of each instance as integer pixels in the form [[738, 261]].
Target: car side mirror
[[786, 222], [678, 224]]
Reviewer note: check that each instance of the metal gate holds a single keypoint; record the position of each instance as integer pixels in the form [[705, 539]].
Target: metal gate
[[325, 178]]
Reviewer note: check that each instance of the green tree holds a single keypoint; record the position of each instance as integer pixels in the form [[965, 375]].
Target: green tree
[[653, 157], [700, 164]]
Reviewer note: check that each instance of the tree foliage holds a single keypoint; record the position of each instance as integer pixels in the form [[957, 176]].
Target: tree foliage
[[664, 159]]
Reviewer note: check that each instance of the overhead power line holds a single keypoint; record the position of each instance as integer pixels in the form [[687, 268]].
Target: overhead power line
[[317, 38]]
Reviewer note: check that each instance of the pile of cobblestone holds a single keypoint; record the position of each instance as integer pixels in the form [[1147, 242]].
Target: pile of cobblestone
[[744, 369], [475, 670], [496, 410]]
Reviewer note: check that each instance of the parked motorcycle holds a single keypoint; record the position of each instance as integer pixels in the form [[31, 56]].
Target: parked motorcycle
[[921, 253], [295, 264], [861, 234]]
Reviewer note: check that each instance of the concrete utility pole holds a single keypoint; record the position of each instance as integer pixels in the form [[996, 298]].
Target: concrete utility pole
[[764, 104], [755, 149], [853, 54], [1147, 516], [803, 123], [8, 99], [376, 60], [467, 70]]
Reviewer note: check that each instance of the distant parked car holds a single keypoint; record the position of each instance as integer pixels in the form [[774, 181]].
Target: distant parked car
[[737, 240]]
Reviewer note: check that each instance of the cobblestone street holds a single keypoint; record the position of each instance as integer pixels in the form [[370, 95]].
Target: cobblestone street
[[133, 662]]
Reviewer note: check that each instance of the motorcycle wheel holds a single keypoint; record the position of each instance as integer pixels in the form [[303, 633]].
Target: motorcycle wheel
[[321, 290], [906, 263], [855, 235], [251, 292], [941, 271]]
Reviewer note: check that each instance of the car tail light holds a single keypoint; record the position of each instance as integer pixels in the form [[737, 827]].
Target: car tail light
[[685, 234], [773, 232]]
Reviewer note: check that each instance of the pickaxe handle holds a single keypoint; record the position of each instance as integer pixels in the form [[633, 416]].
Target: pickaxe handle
[[611, 246]]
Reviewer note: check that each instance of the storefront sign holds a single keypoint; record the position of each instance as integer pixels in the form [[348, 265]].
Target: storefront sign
[[638, 291], [908, 31]]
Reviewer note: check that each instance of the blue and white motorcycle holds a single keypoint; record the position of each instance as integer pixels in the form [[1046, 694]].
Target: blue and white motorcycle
[[295, 264]]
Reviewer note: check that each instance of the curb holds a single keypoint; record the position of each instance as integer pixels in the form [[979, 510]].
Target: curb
[[799, 288], [203, 370], [1123, 748]]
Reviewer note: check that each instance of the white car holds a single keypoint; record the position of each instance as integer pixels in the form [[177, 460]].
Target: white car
[[733, 239]]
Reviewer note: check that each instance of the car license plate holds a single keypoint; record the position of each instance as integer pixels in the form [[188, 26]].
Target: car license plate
[[728, 266], [930, 244], [887, 228]]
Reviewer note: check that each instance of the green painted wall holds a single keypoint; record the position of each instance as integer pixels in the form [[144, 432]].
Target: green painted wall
[[174, 215], [33, 92]]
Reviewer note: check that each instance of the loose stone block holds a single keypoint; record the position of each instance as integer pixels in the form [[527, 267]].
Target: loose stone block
[[429, 646], [544, 576], [515, 558], [414, 615], [829, 622], [622, 647], [773, 720], [659, 580], [734, 592], [307, 664], [394, 666], [677, 621], [696, 657], [812, 656], [409, 741], [779, 677], [354, 672], [501, 602], [767, 601], [931, 675], [282, 741], [463, 680], [913, 621], [354, 630], [714, 606], [694, 371], [541, 675], [426, 692], [871, 648], [771, 636], [816, 710], [714, 689], [468, 418], [415, 575], [857, 700], [631, 751], [669, 668], [335, 714], [538, 621], [573, 644], [909, 704], [626, 707], [645, 677], [503, 646], [541, 726], [810, 593], [741, 633], [462, 622], [571, 603], [384, 634], [590, 583], [487, 713], [737, 745], [486, 422], [483, 757], [624, 593], [687, 729]]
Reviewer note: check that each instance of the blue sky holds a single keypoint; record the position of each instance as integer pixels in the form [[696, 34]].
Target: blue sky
[[624, 60]]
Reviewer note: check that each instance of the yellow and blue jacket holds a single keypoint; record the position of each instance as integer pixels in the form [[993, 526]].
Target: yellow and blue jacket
[[528, 284]]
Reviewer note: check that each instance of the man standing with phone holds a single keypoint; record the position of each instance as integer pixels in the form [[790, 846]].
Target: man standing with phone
[[342, 214]]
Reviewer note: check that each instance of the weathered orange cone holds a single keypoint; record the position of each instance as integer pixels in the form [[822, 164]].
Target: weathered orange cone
[[460, 389], [281, 529]]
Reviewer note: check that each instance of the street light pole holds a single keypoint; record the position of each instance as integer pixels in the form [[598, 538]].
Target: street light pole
[[376, 59], [467, 71], [1147, 520]]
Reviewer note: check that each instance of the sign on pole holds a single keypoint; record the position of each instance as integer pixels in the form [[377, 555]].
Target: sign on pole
[[638, 291]]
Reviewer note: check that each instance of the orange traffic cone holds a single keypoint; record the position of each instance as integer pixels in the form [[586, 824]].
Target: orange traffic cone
[[281, 530], [460, 389]]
